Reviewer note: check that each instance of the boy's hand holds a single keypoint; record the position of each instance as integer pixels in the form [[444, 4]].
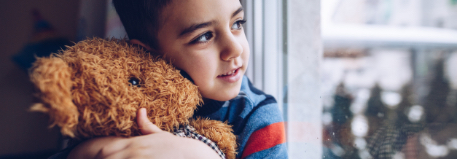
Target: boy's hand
[[154, 143]]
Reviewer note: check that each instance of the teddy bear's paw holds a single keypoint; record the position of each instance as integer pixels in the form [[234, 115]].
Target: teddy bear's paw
[[190, 132], [219, 132]]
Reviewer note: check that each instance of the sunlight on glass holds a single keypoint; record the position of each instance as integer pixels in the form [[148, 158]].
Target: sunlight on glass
[[359, 126], [337, 150], [452, 144], [360, 143], [360, 102], [397, 73], [426, 139], [436, 150], [364, 154], [415, 113], [391, 99], [450, 72], [431, 146], [327, 118], [398, 155]]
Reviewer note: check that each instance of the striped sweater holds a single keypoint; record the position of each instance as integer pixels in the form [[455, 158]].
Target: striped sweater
[[256, 119]]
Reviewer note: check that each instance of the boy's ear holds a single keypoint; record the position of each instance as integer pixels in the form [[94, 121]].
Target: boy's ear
[[138, 42]]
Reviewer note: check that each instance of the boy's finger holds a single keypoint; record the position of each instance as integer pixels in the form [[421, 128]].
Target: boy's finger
[[146, 126]]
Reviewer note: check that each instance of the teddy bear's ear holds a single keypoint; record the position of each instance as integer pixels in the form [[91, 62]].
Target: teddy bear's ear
[[52, 79]]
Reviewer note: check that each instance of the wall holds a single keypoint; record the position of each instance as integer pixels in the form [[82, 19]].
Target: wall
[[21, 131]]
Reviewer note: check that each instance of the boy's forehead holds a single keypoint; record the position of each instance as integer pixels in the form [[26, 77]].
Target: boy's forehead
[[183, 13]]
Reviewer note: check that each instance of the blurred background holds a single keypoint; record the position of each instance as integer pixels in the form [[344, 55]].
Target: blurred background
[[31, 28], [389, 78], [386, 72]]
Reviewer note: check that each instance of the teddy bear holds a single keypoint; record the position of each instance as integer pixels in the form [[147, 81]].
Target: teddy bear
[[96, 87]]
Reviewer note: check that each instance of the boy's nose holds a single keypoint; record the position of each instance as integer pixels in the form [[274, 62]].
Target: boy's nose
[[232, 48]]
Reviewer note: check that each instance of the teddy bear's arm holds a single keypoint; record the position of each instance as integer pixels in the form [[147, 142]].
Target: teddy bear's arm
[[218, 132]]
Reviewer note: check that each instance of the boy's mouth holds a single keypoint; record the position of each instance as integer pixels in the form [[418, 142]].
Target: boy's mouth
[[232, 76], [230, 73]]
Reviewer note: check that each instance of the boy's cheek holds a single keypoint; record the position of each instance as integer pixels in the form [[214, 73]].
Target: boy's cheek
[[246, 57]]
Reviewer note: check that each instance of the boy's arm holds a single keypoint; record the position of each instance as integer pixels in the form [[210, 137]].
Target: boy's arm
[[155, 143], [263, 135], [268, 142]]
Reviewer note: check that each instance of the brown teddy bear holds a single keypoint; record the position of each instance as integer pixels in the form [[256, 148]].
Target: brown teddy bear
[[96, 87]]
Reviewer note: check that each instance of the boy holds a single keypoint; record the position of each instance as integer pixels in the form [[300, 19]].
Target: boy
[[205, 39]]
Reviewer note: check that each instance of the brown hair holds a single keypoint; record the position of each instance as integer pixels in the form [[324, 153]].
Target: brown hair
[[141, 19]]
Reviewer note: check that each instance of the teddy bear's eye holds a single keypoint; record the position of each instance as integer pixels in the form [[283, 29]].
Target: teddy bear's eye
[[134, 81]]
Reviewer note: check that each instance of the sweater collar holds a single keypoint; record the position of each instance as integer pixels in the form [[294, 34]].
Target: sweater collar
[[209, 107]]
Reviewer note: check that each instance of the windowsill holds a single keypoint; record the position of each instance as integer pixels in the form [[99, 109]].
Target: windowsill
[[358, 35]]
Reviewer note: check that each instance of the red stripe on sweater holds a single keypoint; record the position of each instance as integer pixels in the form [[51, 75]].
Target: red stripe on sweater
[[265, 138]]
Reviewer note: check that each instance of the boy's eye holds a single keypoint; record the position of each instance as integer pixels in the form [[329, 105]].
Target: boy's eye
[[203, 38], [238, 24]]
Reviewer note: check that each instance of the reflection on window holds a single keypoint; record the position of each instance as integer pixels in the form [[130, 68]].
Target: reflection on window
[[390, 92]]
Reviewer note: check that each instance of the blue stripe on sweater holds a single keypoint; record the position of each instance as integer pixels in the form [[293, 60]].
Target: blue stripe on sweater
[[276, 152], [250, 111]]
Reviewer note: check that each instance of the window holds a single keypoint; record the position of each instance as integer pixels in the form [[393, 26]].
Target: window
[[379, 82], [388, 80], [286, 51]]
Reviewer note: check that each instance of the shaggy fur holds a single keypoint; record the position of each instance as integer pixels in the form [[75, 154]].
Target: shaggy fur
[[85, 90]]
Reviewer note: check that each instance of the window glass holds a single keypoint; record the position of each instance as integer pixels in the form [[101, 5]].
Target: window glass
[[389, 78]]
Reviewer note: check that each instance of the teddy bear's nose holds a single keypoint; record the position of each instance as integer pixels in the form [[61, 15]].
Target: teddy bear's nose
[[134, 81]]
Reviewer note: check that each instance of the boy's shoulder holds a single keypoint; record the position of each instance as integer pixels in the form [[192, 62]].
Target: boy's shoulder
[[250, 99], [258, 122], [251, 105]]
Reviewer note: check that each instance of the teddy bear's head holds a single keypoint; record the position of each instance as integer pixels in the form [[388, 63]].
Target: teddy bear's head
[[95, 88]]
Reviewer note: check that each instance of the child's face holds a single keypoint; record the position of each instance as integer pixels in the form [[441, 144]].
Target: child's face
[[205, 38]]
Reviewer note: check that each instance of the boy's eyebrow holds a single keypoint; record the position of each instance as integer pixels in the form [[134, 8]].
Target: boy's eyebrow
[[237, 11], [195, 27], [205, 24]]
